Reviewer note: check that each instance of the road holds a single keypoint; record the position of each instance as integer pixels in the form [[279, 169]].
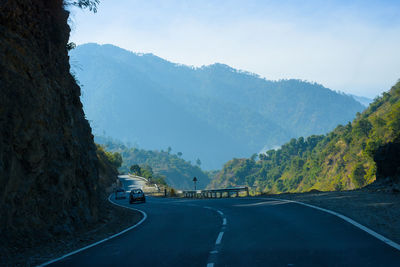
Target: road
[[236, 232], [129, 183]]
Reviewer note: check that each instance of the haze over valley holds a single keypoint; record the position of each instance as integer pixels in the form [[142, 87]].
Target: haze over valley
[[212, 113], [266, 142]]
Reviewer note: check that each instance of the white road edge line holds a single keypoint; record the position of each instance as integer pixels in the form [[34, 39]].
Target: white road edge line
[[101, 241], [219, 238], [347, 219], [220, 212], [224, 221]]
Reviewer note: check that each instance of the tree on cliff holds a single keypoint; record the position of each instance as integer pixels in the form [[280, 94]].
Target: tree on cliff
[[357, 175], [198, 162], [115, 159], [90, 4], [135, 168]]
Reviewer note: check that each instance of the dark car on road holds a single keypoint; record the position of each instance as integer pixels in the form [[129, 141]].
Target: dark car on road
[[120, 193], [136, 195]]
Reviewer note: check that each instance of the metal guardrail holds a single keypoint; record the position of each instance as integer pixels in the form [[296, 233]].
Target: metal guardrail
[[215, 193], [206, 193]]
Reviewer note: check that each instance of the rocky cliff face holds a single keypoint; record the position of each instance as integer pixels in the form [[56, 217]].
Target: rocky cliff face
[[387, 159], [49, 178]]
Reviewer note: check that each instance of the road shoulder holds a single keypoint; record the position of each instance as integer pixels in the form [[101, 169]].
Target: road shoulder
[[379, 211], [116, 220]]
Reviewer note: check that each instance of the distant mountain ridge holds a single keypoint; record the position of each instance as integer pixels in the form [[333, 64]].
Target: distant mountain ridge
[[213, 112], [365, 101]]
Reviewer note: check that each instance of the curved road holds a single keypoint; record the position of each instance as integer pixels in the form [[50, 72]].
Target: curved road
[[236, 232], [129, 183]]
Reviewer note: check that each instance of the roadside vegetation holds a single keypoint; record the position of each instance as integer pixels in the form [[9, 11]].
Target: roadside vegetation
[[147, 172], [106, 157], [342, 159], [163, 166]]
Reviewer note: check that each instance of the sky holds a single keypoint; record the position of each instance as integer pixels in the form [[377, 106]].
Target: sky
[[348, 46]]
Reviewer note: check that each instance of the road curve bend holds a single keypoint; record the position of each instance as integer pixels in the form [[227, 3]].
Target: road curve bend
[[236, 232]]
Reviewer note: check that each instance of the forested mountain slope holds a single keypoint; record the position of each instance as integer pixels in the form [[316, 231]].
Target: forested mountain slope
[[178, 172], [341, 159], [213, 113]]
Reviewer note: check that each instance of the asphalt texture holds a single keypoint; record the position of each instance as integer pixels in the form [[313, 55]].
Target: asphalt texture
[[236, 232]]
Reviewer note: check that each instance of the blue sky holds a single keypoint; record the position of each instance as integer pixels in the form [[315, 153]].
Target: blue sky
[[350, 46]]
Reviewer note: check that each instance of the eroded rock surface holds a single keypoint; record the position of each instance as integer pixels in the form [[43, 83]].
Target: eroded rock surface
[[387, 160], [49, 177]]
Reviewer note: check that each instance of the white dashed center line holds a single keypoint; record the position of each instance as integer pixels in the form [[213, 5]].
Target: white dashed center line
[[213, 254], [219, 238]]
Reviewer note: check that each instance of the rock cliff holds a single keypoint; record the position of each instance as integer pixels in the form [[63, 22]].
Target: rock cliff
[[49, 171], [387, 158]]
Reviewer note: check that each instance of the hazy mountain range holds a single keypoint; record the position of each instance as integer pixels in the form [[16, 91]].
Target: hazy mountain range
[[365, 101], [212, 112]]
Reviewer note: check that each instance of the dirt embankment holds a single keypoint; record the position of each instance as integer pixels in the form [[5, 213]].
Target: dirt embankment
[[115, 220]]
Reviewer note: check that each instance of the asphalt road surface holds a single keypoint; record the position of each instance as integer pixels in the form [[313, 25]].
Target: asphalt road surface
[[236, 232], [129, 183]]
